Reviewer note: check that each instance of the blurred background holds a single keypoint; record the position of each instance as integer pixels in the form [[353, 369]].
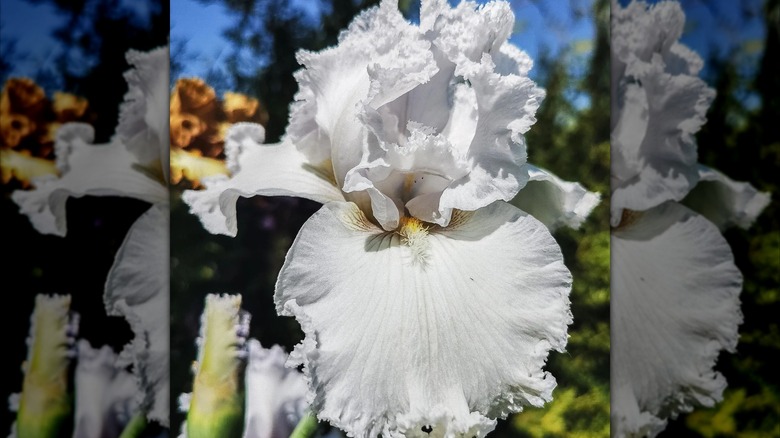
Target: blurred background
[[248, 47], [63, 61]]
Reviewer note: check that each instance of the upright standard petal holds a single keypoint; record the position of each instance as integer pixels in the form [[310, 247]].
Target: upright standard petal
[[446, 328], [137, 288], [378, 58], [658, 105], [85, 169], [423, 119], [555, 202], [257, 169], [675, 306]]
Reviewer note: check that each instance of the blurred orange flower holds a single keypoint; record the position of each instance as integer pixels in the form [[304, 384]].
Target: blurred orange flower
[[28, 126], [198, 125]]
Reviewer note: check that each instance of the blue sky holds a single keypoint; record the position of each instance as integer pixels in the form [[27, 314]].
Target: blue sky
[[30, 26], [201, 26], [541, 25], [27, 24], [715, 27]]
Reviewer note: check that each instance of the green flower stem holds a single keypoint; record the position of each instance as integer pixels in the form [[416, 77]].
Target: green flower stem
[[217, 404], [135, 427], [306, 428], [46, 404]]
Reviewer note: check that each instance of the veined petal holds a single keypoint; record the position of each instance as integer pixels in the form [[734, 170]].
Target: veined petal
[[275, 395], [675, 305], [144, 116], [726, 202], [441, 327], [105, 393], [257, 169], [85, 169], [555, 202], [137, 288]]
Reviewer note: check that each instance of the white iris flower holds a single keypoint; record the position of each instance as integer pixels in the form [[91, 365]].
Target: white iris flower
[[133, 164], [428, 301], [675, 288]]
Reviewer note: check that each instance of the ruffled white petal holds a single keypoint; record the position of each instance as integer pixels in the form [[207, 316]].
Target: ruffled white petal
[[675, 306], [85, 169], [144, 115], [394, 104], [442, 327], [378, 58], [726, 202], [257, 169], [512, 60], [105, 393], [506, 106], [465, 33], [641, 30], [275, 395], [654, 149], [555, 202], [137, 288], [658, 105]]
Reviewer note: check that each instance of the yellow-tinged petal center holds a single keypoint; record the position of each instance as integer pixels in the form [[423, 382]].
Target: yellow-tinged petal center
[[414, 234]]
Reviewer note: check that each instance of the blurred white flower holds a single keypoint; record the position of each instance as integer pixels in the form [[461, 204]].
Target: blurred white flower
[[275, 395], [675, 288], [133, 164], [428, 302], [105, 393]]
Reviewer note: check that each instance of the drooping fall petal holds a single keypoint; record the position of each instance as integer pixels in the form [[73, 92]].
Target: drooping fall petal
[[447, 327], [675, 306], [137, 288]]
